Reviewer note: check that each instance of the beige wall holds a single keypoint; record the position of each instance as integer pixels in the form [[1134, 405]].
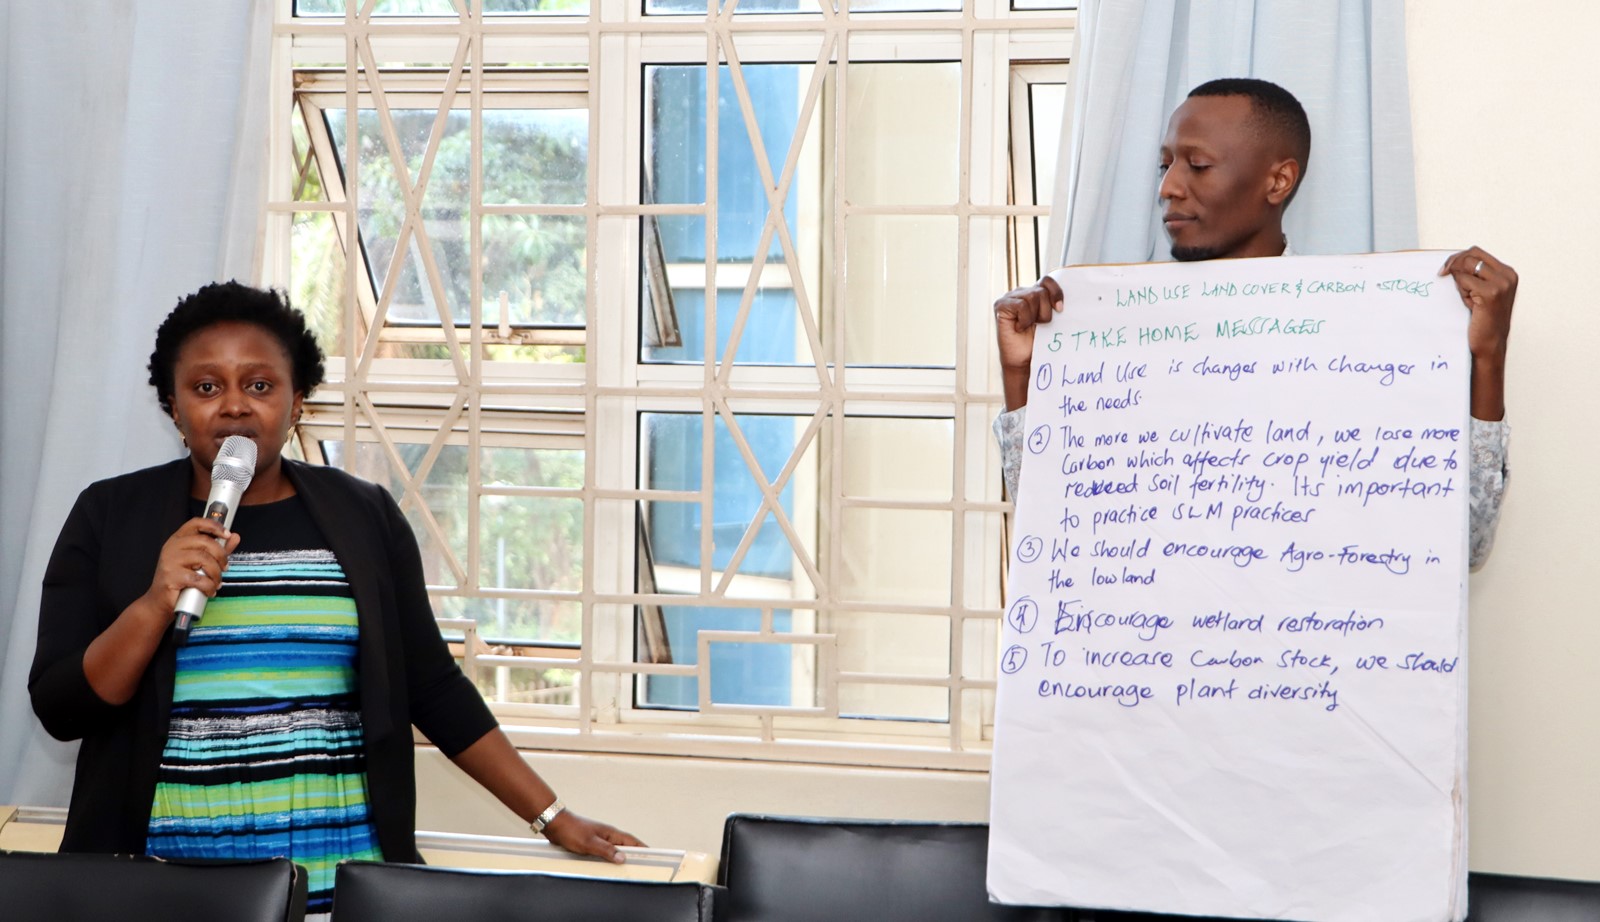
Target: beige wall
[[681, 803], [1506, 159], [1506, 132]]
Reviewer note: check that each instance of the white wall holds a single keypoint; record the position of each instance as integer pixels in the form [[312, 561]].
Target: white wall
[[681, 803], [1507, 123], [1507, 128]]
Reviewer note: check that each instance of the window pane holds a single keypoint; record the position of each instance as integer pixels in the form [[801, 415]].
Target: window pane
[[535, 156], [308, 176], [415, 8], [977, 660], [672, 461], [524, 7], [380, 8], [531, 467], [903, 128], [1046, 108], [528, 686], [657, 7], [681, 7], [901, 459], [900, 305], [675, 145], [889, 555], [904, 702], [530, 157], [517, 621], [895, 555], [530, 543], [901, 278], [893, 644], [524, 542], [905, 6], [755, 673], [382, 210], [316, 277], [443, 492], [746, 673], [538, 262], [772, 331]]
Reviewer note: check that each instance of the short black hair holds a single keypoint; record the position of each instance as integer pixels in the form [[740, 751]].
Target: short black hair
[[222, 302], [1276, 111]]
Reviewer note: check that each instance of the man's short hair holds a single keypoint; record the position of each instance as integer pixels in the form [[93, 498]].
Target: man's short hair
[[1277, 112]]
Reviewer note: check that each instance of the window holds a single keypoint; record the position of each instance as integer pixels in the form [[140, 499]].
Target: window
[[671, 334]]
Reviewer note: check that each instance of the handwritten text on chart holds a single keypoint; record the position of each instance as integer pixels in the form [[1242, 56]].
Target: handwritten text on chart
[[1239, 526], [1125, 485]]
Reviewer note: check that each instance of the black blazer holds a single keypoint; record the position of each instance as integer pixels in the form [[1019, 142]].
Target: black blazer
[[103, 561]]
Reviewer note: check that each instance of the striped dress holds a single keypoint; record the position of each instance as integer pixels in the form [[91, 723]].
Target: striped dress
[[264, 749]]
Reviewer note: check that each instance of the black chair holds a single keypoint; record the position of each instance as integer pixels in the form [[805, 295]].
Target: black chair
[[49, 887], [1490, 898], [1107, 915], [792, 869], [1499, 898], [366, 891]]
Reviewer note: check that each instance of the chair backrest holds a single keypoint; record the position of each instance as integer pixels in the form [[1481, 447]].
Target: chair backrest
[[51, 887], [367, 891], [1498, 898], [794, 869], [1490, 898]]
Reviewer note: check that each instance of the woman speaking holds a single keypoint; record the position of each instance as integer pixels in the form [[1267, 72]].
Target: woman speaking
[[282, 725]]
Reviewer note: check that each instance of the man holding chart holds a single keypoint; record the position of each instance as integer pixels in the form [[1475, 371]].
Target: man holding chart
[[1232, 677], [1232, 158]]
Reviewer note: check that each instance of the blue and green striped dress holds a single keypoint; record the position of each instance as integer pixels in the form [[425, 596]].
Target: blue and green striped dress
[[264, 749]]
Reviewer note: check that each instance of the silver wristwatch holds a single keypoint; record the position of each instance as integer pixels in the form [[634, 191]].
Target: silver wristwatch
[[547, 817]]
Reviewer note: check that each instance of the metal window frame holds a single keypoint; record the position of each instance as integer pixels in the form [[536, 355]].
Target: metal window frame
[[606, 52]]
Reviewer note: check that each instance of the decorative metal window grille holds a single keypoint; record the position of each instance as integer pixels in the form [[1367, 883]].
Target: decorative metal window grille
[[669, 328]]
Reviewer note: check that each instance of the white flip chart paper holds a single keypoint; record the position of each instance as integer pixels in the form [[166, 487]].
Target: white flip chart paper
[[1232, 675]]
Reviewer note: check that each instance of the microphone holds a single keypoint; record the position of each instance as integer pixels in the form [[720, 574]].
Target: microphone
[[230, 477]]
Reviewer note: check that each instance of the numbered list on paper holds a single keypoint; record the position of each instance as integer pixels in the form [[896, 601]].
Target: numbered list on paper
[[1232, 647]]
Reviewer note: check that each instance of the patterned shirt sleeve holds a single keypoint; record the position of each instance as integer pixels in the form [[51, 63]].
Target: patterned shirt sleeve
[[1486, 478], [1486, 482], [1008, 429]]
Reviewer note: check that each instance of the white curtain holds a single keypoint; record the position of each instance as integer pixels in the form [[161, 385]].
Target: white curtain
[[1137, 59], [132, 171]]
